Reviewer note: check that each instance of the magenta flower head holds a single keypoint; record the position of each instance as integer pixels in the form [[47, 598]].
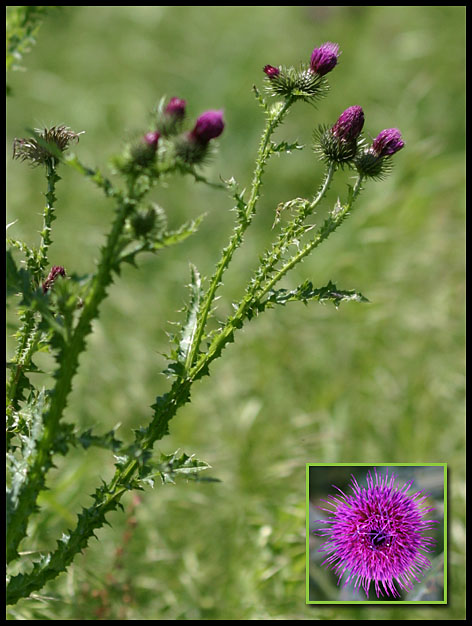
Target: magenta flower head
[[350, 124], [387, 142], [208, 126], [151, 140], [324, 58], [377, 535], [338, 144], [176, 108], [375, 162], [271, 71], [193, 147]]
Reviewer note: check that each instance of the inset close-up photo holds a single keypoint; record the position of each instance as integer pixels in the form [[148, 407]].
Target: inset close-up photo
[[376, 533]]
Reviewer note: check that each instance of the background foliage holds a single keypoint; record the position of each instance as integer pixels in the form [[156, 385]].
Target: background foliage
[[379, 382]]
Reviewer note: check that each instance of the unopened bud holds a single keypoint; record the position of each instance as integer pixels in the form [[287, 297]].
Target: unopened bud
[[324, 58]]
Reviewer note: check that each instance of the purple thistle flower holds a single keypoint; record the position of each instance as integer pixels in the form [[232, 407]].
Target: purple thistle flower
[[56, 270], [376, 535], [350, 124], [208, 126], [324, 58], [271, 71], [176, 108], [387, 142]]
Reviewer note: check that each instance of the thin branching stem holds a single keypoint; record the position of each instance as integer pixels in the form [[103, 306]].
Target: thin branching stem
[[41, 460], [330, 225], [273, 120]]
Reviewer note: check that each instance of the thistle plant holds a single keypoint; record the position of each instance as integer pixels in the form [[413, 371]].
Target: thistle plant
[[377, 535], [56, 307]]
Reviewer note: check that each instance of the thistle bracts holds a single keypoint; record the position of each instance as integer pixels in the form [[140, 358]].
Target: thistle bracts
[[296, 84], [170, 118]]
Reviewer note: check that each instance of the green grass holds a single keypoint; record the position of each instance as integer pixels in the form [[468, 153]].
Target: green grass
[[379, 382]]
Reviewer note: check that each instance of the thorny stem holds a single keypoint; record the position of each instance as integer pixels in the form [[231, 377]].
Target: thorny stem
[[237, 236], [28, 332], [330, 225], [42, 458], [227, 331], [292, 229]]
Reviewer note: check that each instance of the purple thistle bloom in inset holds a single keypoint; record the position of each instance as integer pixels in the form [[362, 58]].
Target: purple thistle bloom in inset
[[208, 126], [176, 108], [271, 71], [324, 58], [387, 142], [377, 536], [350, 124]]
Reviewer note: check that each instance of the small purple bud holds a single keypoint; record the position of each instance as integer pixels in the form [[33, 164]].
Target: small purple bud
[[176, 108], [387, 142], [324, 58], [271, 71], [350, 124], [208, 126], [56, 270], [152, 139]]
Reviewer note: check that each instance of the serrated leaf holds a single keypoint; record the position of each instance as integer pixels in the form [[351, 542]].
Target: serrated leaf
[[306, 292], [284, 146], [188, 330]]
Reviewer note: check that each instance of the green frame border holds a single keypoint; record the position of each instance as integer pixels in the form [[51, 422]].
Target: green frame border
[[307, 519]]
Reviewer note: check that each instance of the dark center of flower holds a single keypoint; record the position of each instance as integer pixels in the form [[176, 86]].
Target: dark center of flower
[[378, 539]]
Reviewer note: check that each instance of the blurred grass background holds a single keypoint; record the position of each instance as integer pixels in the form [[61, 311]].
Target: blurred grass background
[[381, 382]]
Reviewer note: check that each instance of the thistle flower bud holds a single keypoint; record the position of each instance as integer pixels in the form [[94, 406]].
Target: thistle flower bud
[[375, 162], [176, 108], [148, 223], [193, 147], [152, 139], [339, 143], [208, 126], [349, 125], [387, 142], [144, 152], [170, 118], [324, 58], [271, 71], [56, 270]]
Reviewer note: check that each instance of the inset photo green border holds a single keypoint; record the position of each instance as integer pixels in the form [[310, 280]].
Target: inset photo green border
[[376, 533]]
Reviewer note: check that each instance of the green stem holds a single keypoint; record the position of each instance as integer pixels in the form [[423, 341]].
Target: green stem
[[330, 225], [28, 332], [236, 320], [291, 231], [237, 236], [25, 499]]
